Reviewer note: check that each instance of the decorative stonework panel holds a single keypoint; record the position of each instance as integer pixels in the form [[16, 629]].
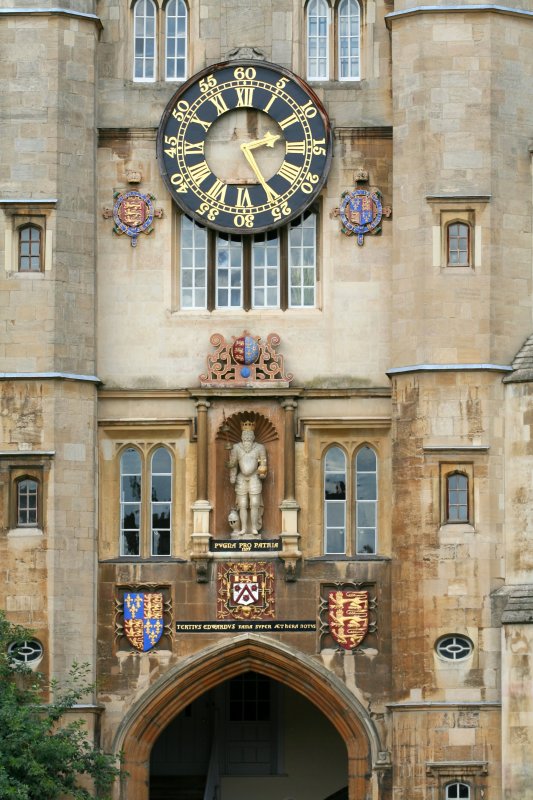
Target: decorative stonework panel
[[245, 361]]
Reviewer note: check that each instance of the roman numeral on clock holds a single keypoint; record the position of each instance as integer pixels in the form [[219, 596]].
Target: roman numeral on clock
[[245, 95], [219, 103], [289, 171], [191, 149], [218, 191], [199, 172]]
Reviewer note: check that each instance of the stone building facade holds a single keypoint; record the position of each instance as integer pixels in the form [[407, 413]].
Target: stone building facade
[[387, 374]]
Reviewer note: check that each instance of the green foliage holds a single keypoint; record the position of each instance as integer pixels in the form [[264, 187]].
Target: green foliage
[[41, 754]]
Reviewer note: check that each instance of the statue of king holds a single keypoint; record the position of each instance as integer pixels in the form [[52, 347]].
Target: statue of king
[[248, 467]]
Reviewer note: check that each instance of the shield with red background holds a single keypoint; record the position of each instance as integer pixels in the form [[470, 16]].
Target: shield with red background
[[348, 617]]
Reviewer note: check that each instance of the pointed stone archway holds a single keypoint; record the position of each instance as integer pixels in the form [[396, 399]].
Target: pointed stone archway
[[171, 694]]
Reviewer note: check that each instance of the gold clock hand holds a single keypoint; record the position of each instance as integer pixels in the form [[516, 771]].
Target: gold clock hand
[[245, 147], [268, 140]]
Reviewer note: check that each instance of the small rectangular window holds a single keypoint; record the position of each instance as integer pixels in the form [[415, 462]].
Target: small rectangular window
[[229, 271], [30, 248], [302, 262], [265, 270]]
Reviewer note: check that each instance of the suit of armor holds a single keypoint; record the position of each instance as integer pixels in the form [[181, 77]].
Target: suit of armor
[[248, 468]]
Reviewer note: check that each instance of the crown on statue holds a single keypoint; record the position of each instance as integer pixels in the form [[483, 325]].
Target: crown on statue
[[248, 425]]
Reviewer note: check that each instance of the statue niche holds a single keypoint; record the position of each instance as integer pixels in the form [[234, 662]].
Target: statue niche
[[246, 502]]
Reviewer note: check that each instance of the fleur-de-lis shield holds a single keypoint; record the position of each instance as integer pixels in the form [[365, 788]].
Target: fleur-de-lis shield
[[143, 619]]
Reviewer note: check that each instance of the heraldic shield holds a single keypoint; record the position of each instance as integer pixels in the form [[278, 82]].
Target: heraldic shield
[[348, 617], [143, 619]]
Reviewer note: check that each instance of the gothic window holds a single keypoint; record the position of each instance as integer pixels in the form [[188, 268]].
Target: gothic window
[[457, 790], [335, 501], [161, 502], [130, 502], [317, 40], [277, 269], [348, 32], [146, 505], [144, 40], [27, 503], [30, 256], [456, 497], [366, 500], [458, 244], [175, 40]]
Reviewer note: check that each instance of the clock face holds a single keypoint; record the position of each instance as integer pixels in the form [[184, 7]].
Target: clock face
[[244, 147]]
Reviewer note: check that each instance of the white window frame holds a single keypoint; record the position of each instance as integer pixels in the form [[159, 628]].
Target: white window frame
[[143, 59], [355, 74], [300, 222], [180, 5], [223, 244], [199, 265], [268, 244], [323, 11]]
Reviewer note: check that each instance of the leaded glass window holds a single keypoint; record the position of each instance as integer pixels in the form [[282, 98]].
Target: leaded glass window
[[366, 500], [144, 40], [302, 262], [161, 502], [130, 502], [335, 501], [175, 40], [349, 40], [317, 40]]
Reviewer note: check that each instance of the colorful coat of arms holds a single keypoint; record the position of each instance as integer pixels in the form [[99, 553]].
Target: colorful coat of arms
[[245, 590], [133, 213], [361, 212], [348, 617], [143, 619]]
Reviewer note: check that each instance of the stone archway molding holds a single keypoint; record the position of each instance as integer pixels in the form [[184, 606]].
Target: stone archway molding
[[199, 673]]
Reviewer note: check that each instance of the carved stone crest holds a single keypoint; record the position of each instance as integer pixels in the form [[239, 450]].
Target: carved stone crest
[[245, 361], [347, 615]]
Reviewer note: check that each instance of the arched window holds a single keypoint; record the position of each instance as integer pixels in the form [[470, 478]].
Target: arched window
[[457, 791], [335, 501], [144, 40], [27, 503], [161, 501], [458, 244], [457, 497], [366, 500], [175, 40], [348, 27], [130, 502], [30, 249], [317, 40]]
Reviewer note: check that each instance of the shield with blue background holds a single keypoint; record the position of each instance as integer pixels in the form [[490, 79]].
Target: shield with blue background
[[143, 619]]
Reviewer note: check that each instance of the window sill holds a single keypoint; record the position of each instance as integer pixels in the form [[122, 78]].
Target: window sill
[[456, 528], [340, 557], [22, 533], [238, 312]]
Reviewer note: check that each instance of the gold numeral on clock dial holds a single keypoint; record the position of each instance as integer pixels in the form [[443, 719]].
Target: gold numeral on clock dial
[[267, 107], [245, 96], [297, 148], [243, 197], [219, 103], [290, 120], [205, 125], [199, 172], [193, 149], [177, 181], [218, 191], [289, 171]]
